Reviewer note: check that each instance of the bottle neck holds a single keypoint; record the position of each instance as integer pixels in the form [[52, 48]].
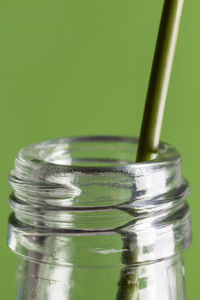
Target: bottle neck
[[91, 186]]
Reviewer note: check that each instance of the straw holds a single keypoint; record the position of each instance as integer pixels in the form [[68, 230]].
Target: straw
[[159, 80]]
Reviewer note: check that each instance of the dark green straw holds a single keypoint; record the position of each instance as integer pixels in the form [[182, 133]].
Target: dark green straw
[[159, 80], [151, 125]]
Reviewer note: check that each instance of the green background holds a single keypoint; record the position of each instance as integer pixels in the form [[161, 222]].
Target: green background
[[81, 67]]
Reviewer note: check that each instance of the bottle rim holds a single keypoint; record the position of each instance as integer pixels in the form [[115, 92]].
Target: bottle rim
[[30, 155]]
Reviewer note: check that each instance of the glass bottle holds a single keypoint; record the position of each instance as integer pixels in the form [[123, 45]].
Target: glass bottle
[[89, 223]]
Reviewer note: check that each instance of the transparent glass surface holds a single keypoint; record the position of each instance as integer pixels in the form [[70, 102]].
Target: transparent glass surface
[[160, 280], [89, 223]]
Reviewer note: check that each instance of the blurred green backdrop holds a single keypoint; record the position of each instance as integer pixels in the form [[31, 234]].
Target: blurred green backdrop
[[81, 67]]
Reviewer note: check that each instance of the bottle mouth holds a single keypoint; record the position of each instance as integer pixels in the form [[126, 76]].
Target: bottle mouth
[[93, 171]]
